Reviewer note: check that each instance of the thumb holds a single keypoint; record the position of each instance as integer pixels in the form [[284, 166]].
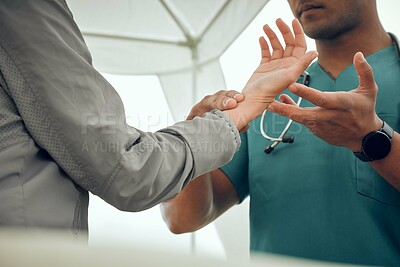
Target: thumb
[[301, 65], [365, 73]]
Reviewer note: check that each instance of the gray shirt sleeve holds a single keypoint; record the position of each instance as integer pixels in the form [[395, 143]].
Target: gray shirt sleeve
[[73, 113]]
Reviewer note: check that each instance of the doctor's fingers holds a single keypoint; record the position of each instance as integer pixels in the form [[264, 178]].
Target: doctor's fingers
[[329, 100], [306, 116], [288, 37], [365, 74], [277, 49], [284, 98]]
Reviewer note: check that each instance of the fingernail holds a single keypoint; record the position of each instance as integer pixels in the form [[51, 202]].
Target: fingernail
[[236, 96], [362, 58], [225, 103]]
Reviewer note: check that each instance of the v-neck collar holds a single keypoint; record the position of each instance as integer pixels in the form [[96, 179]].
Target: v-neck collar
[[381, 55]]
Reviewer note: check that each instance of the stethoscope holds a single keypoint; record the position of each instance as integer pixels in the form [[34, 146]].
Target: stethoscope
[[304, 79]]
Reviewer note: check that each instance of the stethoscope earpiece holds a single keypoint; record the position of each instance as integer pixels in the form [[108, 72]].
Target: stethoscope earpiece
[[268, 149]]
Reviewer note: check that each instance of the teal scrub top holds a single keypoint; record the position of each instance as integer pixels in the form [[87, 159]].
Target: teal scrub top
[[315, 200]]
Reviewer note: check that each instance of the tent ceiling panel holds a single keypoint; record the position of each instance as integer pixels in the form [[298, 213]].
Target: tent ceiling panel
[[137, 18], [227, 27], [196, 15], [160, 36], [122, 56]]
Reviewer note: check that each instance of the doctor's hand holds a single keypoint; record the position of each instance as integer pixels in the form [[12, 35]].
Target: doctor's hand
[[340, 118], [279, 69]]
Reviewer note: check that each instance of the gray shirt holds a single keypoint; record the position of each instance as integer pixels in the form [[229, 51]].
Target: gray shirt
[[63, 130]]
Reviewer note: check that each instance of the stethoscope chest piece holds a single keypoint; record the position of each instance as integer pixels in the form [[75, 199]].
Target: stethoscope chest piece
[[285, 139]]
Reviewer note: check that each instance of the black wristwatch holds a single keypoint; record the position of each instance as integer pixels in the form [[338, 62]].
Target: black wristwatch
[[376, 145]]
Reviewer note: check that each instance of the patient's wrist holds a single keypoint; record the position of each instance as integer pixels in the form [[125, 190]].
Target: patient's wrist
[[245, 112]]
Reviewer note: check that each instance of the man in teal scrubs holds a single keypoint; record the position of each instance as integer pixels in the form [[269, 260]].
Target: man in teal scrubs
[[314, 198]]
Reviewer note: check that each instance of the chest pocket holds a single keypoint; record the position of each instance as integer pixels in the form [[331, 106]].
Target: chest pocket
[[370, 183]]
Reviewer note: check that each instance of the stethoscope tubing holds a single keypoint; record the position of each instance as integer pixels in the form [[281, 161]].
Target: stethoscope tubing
[[285, 130], [281, 138]]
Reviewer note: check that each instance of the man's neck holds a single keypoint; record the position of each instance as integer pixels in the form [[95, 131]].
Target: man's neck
[[337, 54]]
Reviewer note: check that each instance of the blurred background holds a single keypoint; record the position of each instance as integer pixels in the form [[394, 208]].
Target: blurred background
[[147, 108]]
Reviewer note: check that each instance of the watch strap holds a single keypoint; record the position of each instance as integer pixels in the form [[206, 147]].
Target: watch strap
[[361, 156], [386, 129]]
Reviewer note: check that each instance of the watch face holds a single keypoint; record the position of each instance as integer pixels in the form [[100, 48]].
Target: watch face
[[376, 145]]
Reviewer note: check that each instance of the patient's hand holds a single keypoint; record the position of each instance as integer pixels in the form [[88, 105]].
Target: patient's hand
[[279, 69], [222, 100]]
